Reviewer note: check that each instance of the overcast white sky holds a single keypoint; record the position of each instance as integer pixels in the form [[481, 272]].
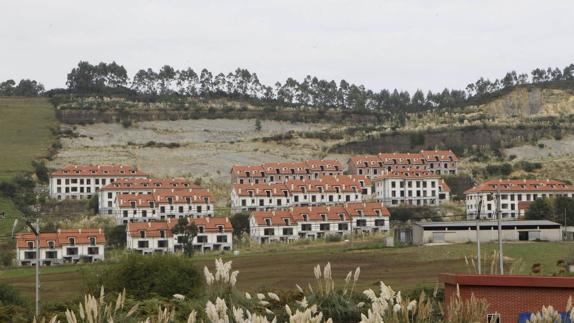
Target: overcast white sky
[[381, 44]]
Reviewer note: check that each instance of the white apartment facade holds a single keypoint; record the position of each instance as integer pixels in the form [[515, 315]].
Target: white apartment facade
[[513, 196], [440, 162], [158, 236], [284, 171], [107, 194], [313, 222], [411, 187], [323, 190], [162, 204], [63, 246], [84, 181]]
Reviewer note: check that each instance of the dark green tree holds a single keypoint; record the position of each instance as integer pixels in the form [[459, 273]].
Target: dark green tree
[[186, 232], [240, 223]]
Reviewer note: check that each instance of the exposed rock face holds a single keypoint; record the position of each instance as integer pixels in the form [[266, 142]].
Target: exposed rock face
[[528, 102]]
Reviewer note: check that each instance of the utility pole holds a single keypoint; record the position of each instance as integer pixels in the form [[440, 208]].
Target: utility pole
[[479, 267], [36, 230], [500, 252]]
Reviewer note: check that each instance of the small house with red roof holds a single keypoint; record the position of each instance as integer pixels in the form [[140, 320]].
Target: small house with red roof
[[62, 246]]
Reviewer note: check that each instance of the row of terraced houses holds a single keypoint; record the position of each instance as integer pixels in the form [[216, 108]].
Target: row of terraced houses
[[287, 201]]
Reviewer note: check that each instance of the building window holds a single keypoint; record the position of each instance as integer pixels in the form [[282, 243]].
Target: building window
[[268, 222], [361, 223], [142, 234], [324, 227], [269, 232], [379, 223], [222, 238], [92, 241], [30, 244], [72, 241], [93, 250], [202, 239], [143, 244], [343, 226], [287, 231], [162, 243]]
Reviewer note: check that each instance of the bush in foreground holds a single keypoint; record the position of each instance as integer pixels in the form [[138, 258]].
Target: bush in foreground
[[148, 276]]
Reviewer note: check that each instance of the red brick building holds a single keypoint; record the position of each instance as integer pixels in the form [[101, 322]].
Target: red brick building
[[510, 295]]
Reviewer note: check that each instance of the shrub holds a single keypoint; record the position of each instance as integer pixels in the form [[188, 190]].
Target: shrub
[[144, 276], [126, 123], [13, 308], [405, 213], [527, 166], [499, 169], [333, 238]]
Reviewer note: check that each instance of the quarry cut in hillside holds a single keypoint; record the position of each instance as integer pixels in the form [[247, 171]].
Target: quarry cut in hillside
[[531, 101]]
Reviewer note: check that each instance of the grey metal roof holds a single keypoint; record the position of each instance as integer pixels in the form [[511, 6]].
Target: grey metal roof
[[485, 223]]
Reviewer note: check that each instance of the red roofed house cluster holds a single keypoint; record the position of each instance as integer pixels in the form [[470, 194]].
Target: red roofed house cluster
[[318, 221], [71, 246], [441, 162], [157, 203], [158, 236], [281, 172], [83, 181], [411, 187], [296, 192], [515, 196]]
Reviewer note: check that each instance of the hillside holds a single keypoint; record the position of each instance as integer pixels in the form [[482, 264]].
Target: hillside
[[26, 134]]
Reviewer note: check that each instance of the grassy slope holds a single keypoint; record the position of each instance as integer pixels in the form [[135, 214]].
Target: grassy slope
[[24, 136], [280, 268]]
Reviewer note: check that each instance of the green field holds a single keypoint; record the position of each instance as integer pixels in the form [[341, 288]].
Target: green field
[[403, 268], [24, 136]]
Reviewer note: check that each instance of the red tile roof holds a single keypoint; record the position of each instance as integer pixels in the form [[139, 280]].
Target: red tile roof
[[288, 168], [521, 185], [328, 183], [60, 237], [438, 155], [149, 183], [385, 159], [409, 174], [211, 224], [316, 213], [178, 196], [254, 171], [152, 229], [98, 170]]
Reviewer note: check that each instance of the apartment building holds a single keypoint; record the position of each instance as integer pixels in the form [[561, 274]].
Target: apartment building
[[150, 237], [411, 187], [284, 171], [160, 204], [107, 194], [513, 196], [158, 236], [83, 181], [440, 162], [312, 222], [63, 246], [213, 234], [323, 190]]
